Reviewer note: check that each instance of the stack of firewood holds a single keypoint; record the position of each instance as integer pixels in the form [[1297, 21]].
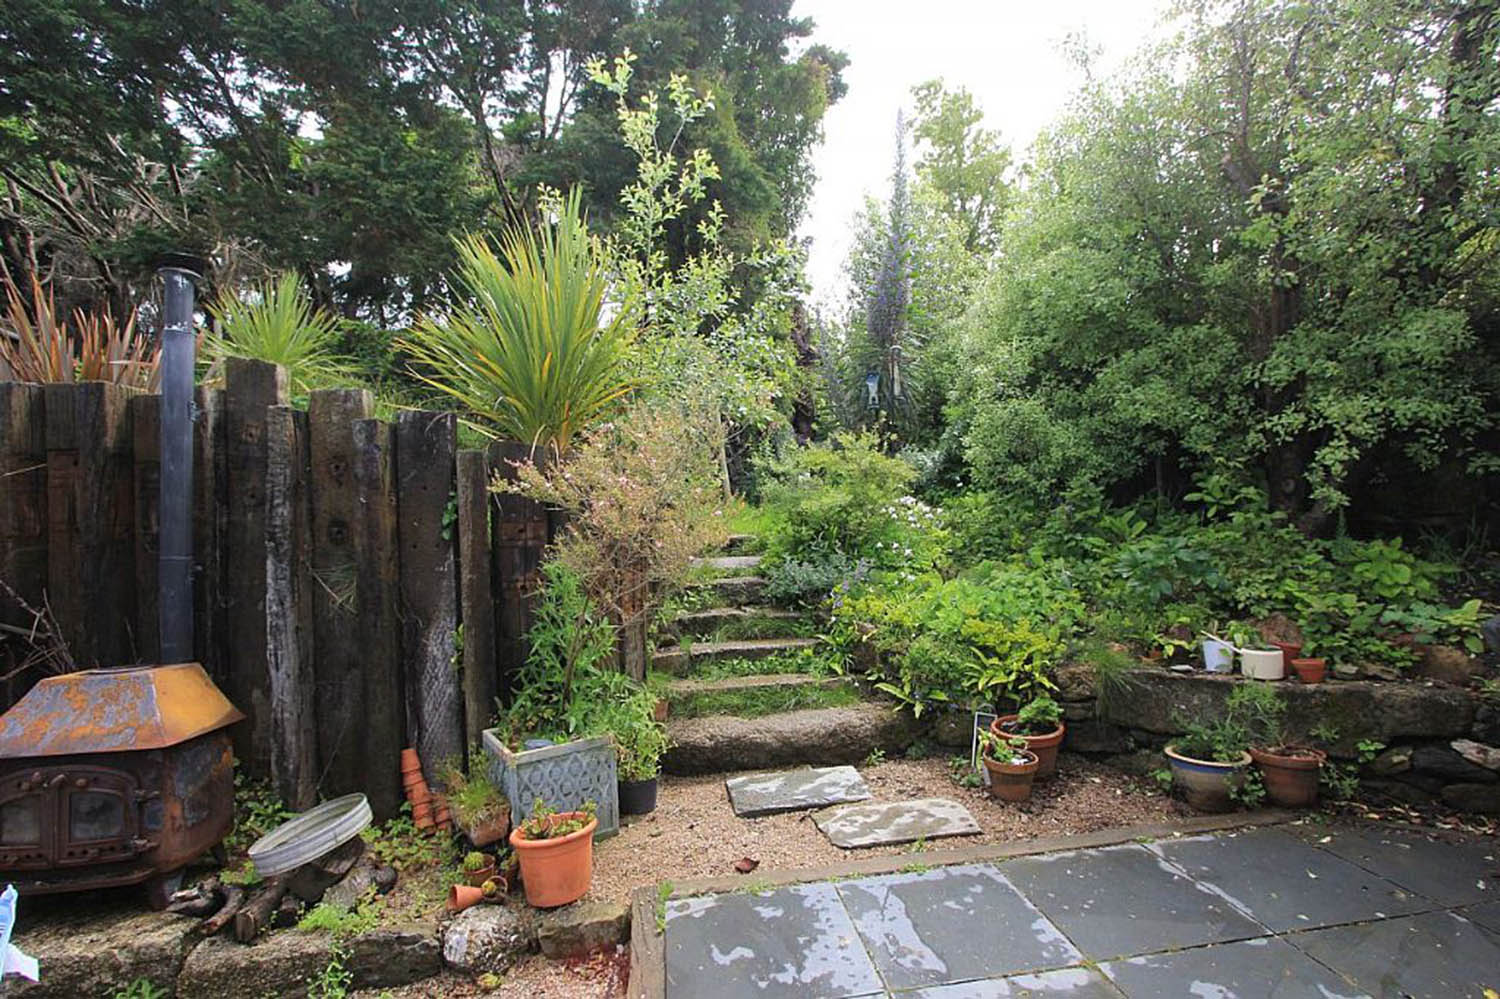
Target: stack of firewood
[[346, 875]]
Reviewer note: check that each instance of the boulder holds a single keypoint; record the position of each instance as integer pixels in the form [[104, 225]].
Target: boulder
[[582, 928], [1446, 664], [1396, 760], [814, 736], [1483, 799], [1345, 671], [1075, 682], [1448, 766], [487, 939], [1279, 628], [96, 952], [395, 956], [1395, 790], [1486, 723], [1491, 631], [952, 728], [1379, 671], [1077, 711], [277, 964], [1477, 753]]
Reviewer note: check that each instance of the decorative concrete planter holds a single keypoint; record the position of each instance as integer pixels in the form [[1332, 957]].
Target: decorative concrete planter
[[1205, 784], [564, 776]]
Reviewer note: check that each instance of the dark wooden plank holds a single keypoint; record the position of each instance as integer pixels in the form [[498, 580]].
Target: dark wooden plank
[[91, 516], [210, 528], [145, 424], [518, 538], [426, 509], [378, 558], [289, 623], [338, 646], [23, 510], [250, 388], [476, 606]]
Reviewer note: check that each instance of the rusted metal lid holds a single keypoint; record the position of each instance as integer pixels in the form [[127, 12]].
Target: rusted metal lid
[[115, 710]]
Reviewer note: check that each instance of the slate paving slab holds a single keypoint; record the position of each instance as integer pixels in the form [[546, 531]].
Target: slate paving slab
[[790, 943], [951, 924], [1262, 967], [889, 822], [1125, 900], [793, 790], [1065, 983], [1436, 955], [1486, 915], [1286, 883], [1446, 872]]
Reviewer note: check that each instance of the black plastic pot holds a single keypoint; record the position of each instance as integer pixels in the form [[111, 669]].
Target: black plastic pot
[[637, 797]]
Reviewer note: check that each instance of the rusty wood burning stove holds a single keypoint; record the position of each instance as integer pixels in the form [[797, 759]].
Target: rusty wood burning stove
[[114, 777]]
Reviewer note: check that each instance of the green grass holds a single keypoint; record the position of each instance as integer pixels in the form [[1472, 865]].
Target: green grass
[[811, 662], [738, 629], [757, 702], [742, 518]]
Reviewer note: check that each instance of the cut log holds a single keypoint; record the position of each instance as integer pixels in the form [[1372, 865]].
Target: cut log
[[288, 913], [199, 900], [255, 915], [234, 897], [311, 880]]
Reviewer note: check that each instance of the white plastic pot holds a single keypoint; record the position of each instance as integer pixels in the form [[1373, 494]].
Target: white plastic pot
[[1260, 664], [1218, 657]]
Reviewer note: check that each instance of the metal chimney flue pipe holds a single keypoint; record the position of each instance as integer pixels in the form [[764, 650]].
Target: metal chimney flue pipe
[[175, 506]]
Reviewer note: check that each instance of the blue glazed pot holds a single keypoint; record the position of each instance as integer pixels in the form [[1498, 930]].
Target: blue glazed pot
[[1205, 785]]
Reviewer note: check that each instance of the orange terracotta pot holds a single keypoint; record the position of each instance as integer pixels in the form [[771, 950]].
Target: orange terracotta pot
[[410, 762], [556, 871], [1044, 746], [460, 897], [1310, 670]]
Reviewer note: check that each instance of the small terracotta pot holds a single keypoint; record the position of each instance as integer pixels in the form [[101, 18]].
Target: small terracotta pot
[[479, 877], [440, 814], [419, 796], [659, 709], [1044, 746], [1011, 781], [1290, 651], [1310, 670], [410, 762], [460, 897], [1291, 775], [556, 871], [495, 889]]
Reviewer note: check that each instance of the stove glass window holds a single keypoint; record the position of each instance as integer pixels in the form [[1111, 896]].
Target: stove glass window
[[95, 815], [20, 821]]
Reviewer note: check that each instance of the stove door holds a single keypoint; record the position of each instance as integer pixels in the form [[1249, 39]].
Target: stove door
[[96, 815], [28, 821]]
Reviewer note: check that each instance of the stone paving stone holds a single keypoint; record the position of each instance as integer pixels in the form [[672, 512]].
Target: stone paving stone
[[951, 924], [790, 943], [1487, 915], [792, 790], [1436, 955], [1125, 900], [1284, 882], [888, 822], [1447, 873], [1065, 983], [1261, 967]]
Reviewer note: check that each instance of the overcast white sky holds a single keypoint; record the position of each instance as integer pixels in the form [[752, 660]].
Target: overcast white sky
[[1006, 52]]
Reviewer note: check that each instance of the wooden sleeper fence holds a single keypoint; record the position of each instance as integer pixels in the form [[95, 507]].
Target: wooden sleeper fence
[[357, 587]]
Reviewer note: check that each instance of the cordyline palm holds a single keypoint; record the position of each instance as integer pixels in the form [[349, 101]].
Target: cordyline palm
[[529, 353], [36, 345], [279, 324]]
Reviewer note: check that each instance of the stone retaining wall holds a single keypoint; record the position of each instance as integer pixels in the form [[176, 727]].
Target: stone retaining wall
[[1440, 741]]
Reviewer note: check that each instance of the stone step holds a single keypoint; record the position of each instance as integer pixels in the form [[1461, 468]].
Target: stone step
[[758, 694], [743, 619], [739, 542], [732, 591], [678, 661], [727, 564], [816, 736]]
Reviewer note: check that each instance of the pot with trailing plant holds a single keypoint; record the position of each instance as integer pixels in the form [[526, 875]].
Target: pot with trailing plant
[[1290, 771], [556, 852], [1040, 723], [1209, 759], [1012, 767]]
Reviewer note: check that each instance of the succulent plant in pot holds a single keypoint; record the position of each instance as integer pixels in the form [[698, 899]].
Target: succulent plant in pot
[[1011, 765], [477, 868], [1040, 723], [556, 853]]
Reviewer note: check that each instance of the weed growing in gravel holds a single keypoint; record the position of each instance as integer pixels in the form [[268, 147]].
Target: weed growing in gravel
[[663, 892], [141, 988]]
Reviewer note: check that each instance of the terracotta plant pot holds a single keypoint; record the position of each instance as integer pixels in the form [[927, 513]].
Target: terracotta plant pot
[[1290, 774], [479, 877], [441, 817], [660, 708], [1012, 781], [1044, 746], [410, 762], [460, 897], [495, 889], [1205, 785], [1289, 651], [491, 830], [1310, 670], [556, 871]]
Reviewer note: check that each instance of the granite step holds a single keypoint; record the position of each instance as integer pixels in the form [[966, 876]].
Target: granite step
[[732, 591], [812, 736], [758, 695], [747, 620], [678, 661], [736, 565]]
